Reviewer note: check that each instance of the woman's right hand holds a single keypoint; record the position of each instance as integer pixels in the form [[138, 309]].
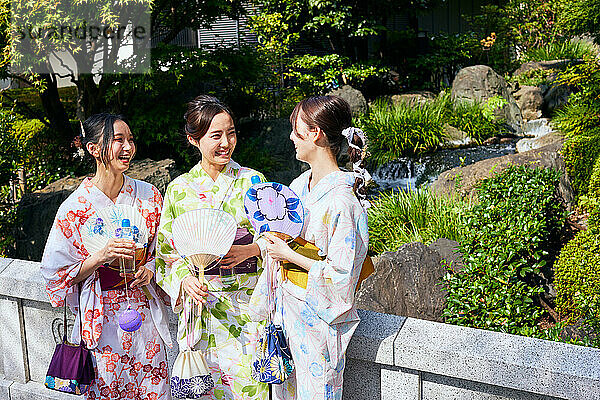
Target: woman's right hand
[[116, 248], [195, 289]]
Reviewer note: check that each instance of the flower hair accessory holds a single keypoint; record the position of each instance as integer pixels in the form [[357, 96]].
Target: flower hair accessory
[[359, 171]]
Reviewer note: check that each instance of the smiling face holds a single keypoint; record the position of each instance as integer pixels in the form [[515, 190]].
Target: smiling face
[[121, 149], [218, 142], [303, 138]]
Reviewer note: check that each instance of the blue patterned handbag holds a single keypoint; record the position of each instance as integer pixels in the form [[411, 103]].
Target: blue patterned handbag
[[273, 360]]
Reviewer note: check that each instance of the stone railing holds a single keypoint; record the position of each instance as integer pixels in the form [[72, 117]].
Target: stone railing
[[390, 357]]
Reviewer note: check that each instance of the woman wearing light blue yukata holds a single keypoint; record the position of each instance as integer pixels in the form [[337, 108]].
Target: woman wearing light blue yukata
[[317, 303]]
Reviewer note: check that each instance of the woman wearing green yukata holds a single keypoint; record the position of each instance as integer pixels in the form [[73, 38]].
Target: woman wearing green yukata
[[225, 333]]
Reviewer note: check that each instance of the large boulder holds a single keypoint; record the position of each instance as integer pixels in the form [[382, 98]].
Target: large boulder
[[407, 282], [480, 83], [556, 97], [36, 211], [545, 65], [413, 98], [463, 180], [455, 138], [354, 97], [527, 144], [530, 100]]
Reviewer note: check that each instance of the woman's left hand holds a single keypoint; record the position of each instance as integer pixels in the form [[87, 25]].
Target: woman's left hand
[[278, 248], [142, 276], [239, 253]]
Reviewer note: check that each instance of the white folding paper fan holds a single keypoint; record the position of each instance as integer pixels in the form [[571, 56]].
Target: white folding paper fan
[[203, 235], [107, 223], [114, 216], [95, 233]]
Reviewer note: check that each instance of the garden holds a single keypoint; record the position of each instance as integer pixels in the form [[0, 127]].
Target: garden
[[432, 105]]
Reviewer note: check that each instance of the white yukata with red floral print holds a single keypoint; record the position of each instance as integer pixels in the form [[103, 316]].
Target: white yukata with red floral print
[[319, 321], [128, 365]]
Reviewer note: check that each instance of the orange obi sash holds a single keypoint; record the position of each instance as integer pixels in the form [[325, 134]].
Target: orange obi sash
[[299, 276]]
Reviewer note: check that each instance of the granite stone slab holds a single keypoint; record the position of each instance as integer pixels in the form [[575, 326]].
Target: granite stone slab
[[43, 329], [436, 387], [37, 391], [399, 384], [4, 388], [4, 263], [13, 356], [374, 337], [22, 279], [515, 362], [362, 380]]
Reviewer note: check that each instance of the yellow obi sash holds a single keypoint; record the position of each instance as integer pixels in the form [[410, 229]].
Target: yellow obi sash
[[299, 276]]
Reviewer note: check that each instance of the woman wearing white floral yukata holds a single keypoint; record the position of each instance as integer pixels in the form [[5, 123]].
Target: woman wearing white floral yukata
[[128, 364], [224, 332], [319, 316]]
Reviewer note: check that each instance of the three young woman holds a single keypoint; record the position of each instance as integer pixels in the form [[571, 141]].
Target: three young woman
[[128, 365], [317, 309]]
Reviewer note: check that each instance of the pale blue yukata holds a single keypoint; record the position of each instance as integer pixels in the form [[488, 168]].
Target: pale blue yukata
[[320, 320]]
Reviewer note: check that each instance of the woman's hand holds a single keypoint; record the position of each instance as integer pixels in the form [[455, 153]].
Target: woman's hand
[[198, 291], [239, 253], [116, 248], [142, 276], [278, 249]]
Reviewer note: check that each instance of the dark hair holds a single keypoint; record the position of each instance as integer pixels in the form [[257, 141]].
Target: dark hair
[[200, 113], [332, 114], [101, 127]]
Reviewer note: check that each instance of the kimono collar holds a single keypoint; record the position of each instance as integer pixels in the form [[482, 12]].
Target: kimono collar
[[100, 199], [329, 182], [229, 173]]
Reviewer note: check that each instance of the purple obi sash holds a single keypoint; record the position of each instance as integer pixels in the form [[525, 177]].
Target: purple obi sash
[[242, 236], [110, 278]]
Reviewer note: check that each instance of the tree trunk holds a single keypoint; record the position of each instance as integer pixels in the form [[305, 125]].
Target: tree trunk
[[55, 111]]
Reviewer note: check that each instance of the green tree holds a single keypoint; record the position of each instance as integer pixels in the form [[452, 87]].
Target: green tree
[[167, 19], [580, 17]]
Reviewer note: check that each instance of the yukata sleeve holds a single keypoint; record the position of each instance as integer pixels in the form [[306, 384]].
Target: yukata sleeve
[[171, 269], [61, 261], [332, 282]]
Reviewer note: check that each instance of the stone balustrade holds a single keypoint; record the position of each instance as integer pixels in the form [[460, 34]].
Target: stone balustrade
[[390, 357]]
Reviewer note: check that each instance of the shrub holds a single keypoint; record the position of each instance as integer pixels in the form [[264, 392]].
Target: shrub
[[507, 242], [580, 154], [313, 74], [579, 120], [474, 118], [413, 216], [395, 130], [400, 129], [534, 77], [577, 280], [562, 50]]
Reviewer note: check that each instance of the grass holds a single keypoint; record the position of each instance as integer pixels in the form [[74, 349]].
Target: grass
[[401, 129], [396, 130], [564, 50], [414, 216]]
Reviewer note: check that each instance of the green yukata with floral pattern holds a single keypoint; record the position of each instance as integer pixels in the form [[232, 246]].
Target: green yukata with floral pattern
[[224, 333]]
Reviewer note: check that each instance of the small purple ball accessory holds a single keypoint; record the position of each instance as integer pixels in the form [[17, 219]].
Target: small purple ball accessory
[[130, 320]]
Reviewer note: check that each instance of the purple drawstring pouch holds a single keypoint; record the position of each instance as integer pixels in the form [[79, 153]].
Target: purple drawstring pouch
[[71, 369]]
